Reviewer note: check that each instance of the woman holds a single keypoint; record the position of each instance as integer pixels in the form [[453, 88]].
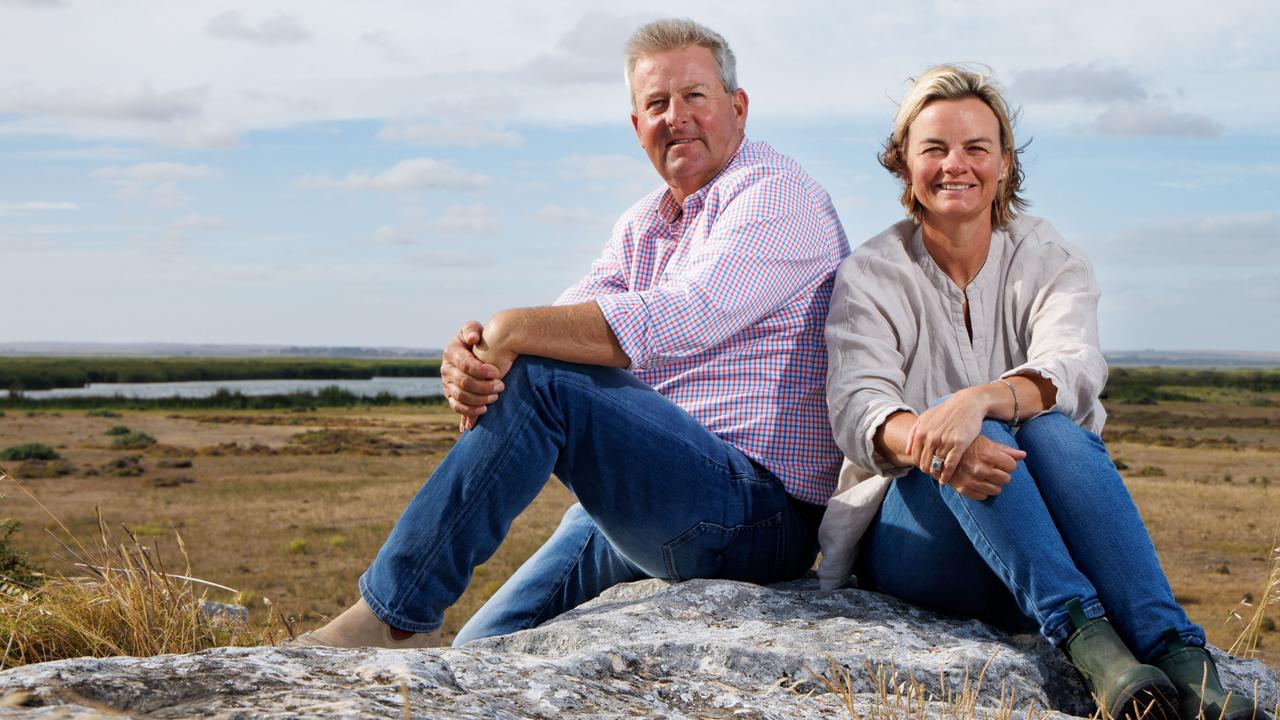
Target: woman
[[963, 382]]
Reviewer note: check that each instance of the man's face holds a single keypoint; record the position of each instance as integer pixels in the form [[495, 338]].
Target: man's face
[[686, 122]]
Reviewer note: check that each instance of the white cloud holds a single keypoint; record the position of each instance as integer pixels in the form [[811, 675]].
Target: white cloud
[[1089, 83], [569, 217], [590, 52], [131, 101], [195, 221], [466, 220], [417, 174], [1144, 119], [605, 168], [22, 208], [387, 235], [1244, 240], [39, 4], [153, 183], [456, 221], [387, 46], [277, 30], [449, 135], [452, 259], [155, 172]]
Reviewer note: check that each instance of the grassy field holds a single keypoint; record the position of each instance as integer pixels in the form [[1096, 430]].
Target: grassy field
[[290, 506], [42, 373]]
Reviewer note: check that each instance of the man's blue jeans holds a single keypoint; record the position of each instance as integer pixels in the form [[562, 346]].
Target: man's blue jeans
[[1064, 527], [659, 496]]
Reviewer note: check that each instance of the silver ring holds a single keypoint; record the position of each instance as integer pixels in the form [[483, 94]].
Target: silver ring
[[936, 464]]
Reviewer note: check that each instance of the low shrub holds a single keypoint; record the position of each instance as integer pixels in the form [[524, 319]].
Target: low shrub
[[29, 451], [102, 413], [14, 566], [133, 441], [127, 466], [118, 430], [37, 469]]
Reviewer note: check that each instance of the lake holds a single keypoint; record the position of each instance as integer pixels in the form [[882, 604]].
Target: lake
[[401, 387]]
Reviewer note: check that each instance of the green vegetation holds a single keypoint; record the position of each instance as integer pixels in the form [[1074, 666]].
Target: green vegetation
[[44, 373], [118, 430], [330, 397], [29, 451], [1148, 386], [102, 413], [133, 441], [14, 566]]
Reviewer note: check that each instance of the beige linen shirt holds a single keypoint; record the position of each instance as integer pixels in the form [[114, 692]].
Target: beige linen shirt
[[896, 340]]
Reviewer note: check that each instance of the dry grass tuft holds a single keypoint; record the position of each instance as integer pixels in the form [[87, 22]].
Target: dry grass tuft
[[126, 603], [896, 697], [1247, 642]]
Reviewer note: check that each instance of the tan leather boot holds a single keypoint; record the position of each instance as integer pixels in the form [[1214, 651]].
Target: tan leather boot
[[357, 627]]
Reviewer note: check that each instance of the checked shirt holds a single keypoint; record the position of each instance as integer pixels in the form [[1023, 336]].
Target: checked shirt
[[720, 303]]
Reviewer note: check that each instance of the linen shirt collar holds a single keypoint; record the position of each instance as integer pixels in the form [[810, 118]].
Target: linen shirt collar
[[986, 276]]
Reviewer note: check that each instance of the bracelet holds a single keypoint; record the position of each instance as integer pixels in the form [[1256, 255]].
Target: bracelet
[[1017, 407]]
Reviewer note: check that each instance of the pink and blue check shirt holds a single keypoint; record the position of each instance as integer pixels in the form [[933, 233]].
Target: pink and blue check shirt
[[720, 304]]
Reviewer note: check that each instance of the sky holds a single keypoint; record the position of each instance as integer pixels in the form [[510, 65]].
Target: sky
[[376, 173]]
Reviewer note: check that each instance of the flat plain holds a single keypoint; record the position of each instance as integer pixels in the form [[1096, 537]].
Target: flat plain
[[289, 506]]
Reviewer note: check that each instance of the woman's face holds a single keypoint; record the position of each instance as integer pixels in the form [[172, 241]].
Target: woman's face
[[954, 159]]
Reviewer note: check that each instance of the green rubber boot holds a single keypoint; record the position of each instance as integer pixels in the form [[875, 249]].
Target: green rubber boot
[[1195, 677], [1122, 686]]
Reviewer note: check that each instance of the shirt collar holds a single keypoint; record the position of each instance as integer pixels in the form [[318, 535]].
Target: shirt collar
[[672, 212]]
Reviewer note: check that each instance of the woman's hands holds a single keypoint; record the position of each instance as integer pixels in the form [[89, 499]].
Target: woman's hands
[[983, 469], [976, 467]]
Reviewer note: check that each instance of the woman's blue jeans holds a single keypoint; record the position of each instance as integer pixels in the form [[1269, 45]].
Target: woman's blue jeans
[[1064, 527], [658, 496]]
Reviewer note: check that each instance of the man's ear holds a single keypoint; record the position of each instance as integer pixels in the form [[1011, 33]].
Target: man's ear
[[740, 108], [635, 124]]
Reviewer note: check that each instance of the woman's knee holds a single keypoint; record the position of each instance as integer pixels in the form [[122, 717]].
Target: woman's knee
[[998, 431], [1055, 432]]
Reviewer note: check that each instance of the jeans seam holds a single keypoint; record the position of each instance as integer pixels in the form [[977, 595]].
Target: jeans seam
[[1008, 572], [464, 513], [629, 409], [559, 584], [731, 532]]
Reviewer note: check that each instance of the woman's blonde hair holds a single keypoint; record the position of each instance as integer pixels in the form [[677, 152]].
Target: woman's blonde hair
[[954, 82]]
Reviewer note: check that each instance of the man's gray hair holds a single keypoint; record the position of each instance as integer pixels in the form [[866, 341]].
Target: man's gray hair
[[678, 33]]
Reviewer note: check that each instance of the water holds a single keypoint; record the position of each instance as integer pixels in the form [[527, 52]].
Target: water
[[401, 387]]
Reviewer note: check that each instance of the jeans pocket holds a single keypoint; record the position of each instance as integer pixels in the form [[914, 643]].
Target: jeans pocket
[[752, 552]]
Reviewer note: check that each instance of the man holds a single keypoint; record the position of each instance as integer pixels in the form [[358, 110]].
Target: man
[[711, 456]]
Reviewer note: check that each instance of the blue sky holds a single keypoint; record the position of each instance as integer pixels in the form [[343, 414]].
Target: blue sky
[[375, 173]]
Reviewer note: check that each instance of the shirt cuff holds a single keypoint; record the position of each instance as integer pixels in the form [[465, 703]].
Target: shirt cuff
[[877, 415], [1061, 404], [628, 318]]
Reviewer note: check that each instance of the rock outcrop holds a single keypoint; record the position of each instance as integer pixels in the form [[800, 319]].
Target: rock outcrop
[[701, 649]]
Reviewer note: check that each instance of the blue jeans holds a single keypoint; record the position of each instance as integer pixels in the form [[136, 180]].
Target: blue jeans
[[659, 496], [1064, 527]]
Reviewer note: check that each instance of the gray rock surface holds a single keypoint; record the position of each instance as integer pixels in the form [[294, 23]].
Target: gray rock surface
[[701, 649]]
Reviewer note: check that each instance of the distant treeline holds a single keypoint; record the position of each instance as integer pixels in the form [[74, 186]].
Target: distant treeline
[[1125, 385], [18, 374], [1160, 384], [329, 397]]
